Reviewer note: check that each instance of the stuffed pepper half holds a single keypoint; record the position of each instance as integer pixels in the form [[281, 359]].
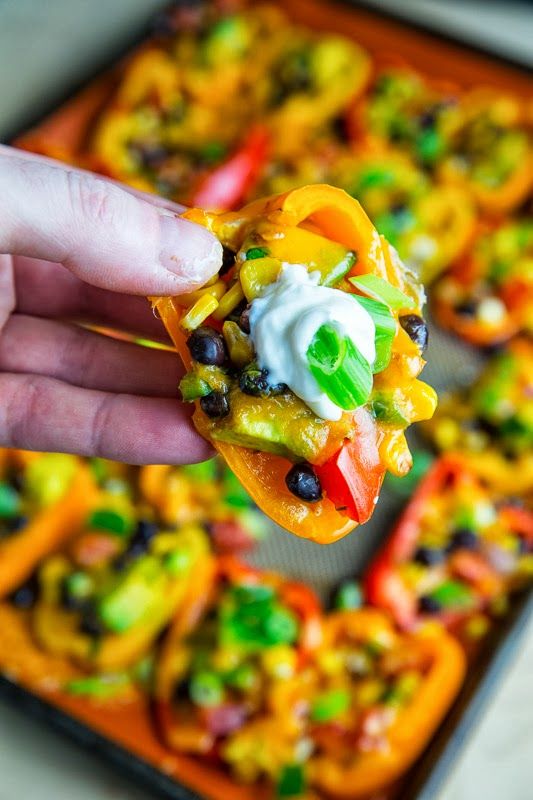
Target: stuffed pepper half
[[491, 421], [303, 356], [487, 296], [456, 551], [43, 498], [104, 600], [232, 668], [430, 226], [379, 697], [209, 494]]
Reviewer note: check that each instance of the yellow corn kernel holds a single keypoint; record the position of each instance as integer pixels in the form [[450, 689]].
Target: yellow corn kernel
[[279, 661], [407, 684], [225, 659], [200, 311], [477, 627], [525, 566], [258, 273], [213, 376], [394, 453], [331, 662], [369, 691], [229, 301], [239, 346], [446, 433], [423, 399], [216, 289], [412, 573]]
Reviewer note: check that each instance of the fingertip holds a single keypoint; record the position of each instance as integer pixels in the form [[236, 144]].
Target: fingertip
[[190, 252]]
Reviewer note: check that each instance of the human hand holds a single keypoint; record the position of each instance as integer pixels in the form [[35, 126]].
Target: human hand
[[82, 249]]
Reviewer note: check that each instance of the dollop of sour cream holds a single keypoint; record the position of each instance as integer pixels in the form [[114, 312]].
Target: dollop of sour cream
[[284, 321]]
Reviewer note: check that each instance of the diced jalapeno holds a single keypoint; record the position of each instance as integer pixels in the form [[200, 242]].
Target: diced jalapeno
[[206, 689], [348, 595], [9, 501]]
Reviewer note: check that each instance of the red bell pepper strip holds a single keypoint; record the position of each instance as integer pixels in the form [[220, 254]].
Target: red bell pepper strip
[[228, 184], [352, 478]]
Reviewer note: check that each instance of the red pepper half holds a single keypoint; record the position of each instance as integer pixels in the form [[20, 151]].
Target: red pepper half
[[229, 184], [383, 585]]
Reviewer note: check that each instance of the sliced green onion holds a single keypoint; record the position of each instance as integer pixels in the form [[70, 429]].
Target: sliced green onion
[[281, 626], [109, 519], [291, 782], [330, 705], [382, 290], [385, 326], [339, 368], [453, 594], [256, 252]]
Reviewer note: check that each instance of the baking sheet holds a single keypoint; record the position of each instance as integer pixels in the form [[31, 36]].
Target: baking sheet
[[451, 363]]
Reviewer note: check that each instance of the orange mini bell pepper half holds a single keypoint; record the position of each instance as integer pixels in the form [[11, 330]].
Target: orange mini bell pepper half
[[372, 744], [273, 620], [50, 509], [326, 230]]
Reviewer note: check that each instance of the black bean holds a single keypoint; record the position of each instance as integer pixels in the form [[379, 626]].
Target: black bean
[[244, 319], [17, 481], [428, 556], [207, 346], [215, 405], [16, 524], [26, 595], [463, 539], [145, 531], [254, 381], [149, 155], [91, 624], [340, 129], [428, 605], [228, 260], [398, 209], [467, 308], [416, 329], [303, 482], [428, 119]]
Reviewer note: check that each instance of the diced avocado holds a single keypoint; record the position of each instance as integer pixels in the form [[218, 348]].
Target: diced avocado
[[283, 426], [192, 387], [134, 597]]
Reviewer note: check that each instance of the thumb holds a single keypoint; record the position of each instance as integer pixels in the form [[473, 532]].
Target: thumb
[[100, 232]]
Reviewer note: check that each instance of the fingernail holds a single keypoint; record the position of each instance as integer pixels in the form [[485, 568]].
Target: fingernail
[[189, 251]]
